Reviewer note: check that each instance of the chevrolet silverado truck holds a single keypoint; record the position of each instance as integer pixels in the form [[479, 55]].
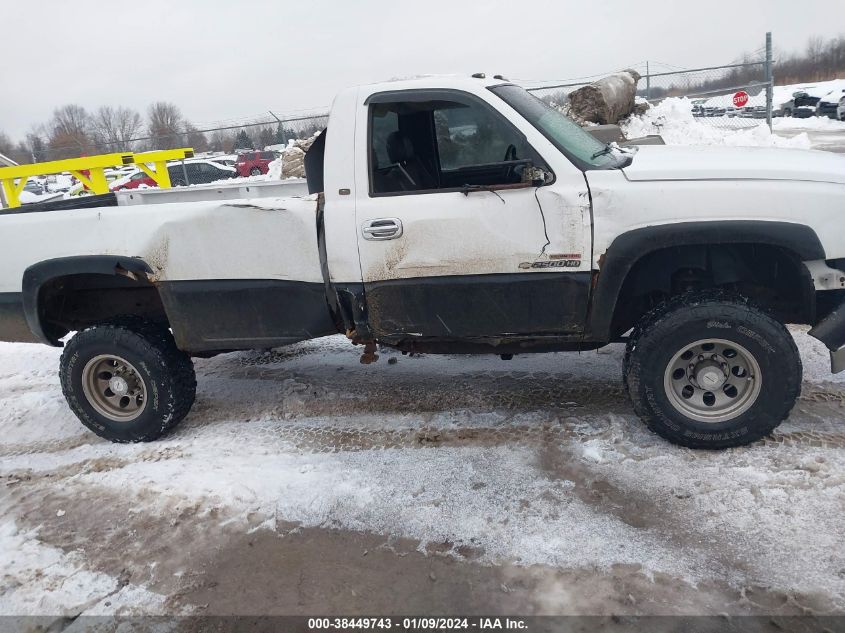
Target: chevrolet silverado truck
[[454, 215]]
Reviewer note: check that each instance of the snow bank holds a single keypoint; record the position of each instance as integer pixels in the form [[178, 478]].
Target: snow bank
[[673, 120], [275, 169]]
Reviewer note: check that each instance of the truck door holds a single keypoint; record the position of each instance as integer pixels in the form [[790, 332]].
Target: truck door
[[452, 244]]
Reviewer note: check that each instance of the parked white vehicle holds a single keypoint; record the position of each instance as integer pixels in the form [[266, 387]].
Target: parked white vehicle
[[453, 215], [829, 104], [228, 160]]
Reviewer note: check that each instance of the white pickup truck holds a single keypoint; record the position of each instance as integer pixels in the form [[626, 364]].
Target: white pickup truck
[[460, 216]]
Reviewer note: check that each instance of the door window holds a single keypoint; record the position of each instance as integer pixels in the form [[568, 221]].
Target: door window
[[472, 135], [208, 173], [385, 123], [177, 175], [434, 145]]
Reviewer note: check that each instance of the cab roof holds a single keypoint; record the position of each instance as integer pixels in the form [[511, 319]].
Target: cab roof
[[458, 82]]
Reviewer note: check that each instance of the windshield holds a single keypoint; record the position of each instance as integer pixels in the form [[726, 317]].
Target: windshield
[[579, 146]]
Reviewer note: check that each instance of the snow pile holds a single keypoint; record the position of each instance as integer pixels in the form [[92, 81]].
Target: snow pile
[[275, 169], [673, 120]]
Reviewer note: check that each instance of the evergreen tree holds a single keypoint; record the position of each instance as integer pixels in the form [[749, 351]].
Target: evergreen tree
[[242, 141]]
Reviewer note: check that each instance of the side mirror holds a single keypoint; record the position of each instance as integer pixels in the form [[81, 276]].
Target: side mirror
[[535, 175]]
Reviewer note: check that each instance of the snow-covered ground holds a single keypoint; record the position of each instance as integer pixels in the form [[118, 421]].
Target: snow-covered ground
[[525, 486], [811, 124]]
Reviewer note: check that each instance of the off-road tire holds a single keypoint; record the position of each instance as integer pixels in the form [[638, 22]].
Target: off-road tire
[[167, 372], [255, 171], [691, 317]]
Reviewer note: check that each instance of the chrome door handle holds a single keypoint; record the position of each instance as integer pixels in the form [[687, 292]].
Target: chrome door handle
[[382, 229]]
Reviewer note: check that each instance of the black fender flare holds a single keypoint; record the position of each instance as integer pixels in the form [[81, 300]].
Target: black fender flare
[[628, 248], [37, 275]]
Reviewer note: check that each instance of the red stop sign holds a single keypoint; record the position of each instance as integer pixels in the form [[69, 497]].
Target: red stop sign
[[740, 98]]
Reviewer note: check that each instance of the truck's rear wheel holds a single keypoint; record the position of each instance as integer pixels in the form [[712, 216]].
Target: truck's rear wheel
[[127, 381], [708, 370]]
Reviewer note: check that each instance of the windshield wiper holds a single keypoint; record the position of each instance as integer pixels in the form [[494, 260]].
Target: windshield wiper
[[606, 150]]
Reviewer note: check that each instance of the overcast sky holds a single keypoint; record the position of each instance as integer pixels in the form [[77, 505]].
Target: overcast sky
[[232, 59]]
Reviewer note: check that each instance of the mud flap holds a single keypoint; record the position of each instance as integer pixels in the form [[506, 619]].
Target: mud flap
[[831, 331], [837, 361]]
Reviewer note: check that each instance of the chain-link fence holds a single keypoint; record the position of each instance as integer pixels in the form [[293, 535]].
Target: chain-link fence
[[222, 137], [732, 96]]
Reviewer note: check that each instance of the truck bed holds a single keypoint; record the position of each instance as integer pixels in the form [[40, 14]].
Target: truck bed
[[234, 266]]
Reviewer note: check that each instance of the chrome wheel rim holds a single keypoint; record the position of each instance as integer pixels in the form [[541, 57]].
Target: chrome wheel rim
[[712, 380], [114, 388]]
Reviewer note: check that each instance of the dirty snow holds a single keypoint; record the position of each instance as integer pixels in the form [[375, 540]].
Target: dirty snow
[[41, 580], [534, 463]]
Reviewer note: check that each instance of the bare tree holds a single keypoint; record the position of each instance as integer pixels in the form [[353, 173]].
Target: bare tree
[[7, 146], [166, 126], [815, 49], [821, 60], [196, 139], [222, 141], [36, 144], [68, 133], [114, 128], [309, 127], [18, 153]]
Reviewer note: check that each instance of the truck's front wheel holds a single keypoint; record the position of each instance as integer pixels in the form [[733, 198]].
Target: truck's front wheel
[[127, 381], [708, 370]]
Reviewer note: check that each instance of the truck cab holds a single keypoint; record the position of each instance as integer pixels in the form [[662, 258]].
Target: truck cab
[[472, 224]]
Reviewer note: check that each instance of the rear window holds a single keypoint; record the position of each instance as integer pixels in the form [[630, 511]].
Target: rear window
[[268, 156], [244, 157]]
